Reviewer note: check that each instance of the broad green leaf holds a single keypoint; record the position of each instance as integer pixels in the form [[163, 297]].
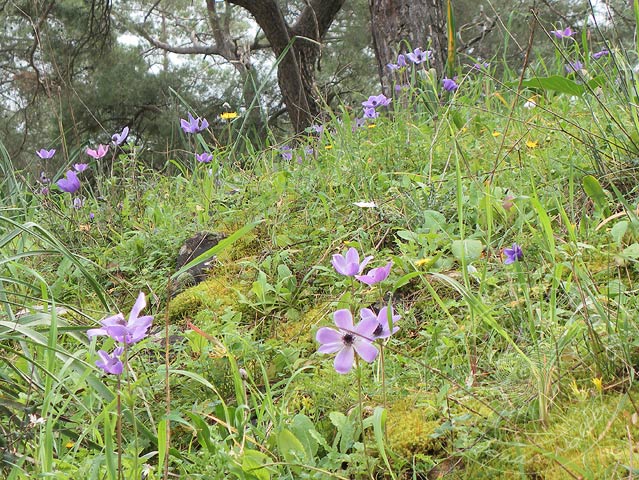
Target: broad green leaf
[[632, 251], [618, 231], [593, 189], [468, 249], [290, 447], [253, 464]]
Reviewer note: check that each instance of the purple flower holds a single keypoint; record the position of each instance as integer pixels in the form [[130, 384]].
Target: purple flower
[[110, 363], [80, 167], [418, 56], [450, 85], [349, 265], [204, 157], [565, 33], [78, 203], [91, 216], [45, 154], [358, 123], [99, 153], [122, 331], [513, 254], [286, 153], [480, 66], [600, 54], [70, 184], [319, 129], [574, 66], [370, 113], [119, 138], [382, 330], [375, 275], [44, 179], [193, 125], [348, 340], [375, 101], [401, 60], [45, 191]]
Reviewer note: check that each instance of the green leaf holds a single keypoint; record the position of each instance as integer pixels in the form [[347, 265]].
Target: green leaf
[[554, 83], [618, 231], [290, 447], [593, 189], [467, 249], [379, 419], [252, 463], [631, 251], [301, 426]]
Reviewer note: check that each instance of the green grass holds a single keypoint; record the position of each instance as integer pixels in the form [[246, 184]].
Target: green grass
[[497, 371]]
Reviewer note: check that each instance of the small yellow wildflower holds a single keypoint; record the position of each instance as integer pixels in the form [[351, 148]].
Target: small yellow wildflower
[[532, 144], [422, 261], [199, 208], [496, 134], [372, 125], [69, 444], [328, 147], [228, 115], [597, 382]]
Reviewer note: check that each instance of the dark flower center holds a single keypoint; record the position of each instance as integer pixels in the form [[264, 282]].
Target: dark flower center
[[378, 331], [348, 339]]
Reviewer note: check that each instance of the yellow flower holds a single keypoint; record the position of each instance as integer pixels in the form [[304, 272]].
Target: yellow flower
[[69, 444], [371, 125], [532, 144], [328, 147], [199, 208], [228, 115], [422, 261], [598, 384], [496, 134]]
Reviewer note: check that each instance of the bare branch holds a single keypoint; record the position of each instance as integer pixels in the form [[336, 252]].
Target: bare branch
[[194, 49]]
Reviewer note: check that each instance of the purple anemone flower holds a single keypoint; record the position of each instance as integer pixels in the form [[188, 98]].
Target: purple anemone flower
[[286, 153], [349, 265], [80, 167], [78, 203], [99, 153], [119, 138], [110, 363], [574, 66], [513, 254], [348, 340], [375, 101], [193, 125], [70, 184], [565, 33], [122, 331], [358, 123], [370, 113], [45, 154], [450, 85], [375, 275], [204, 157], [382, 330], [480, 66], [418, 56], [601, 53]]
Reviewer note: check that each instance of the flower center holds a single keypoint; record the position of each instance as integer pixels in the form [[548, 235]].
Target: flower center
[[348, 339], [378, 331]]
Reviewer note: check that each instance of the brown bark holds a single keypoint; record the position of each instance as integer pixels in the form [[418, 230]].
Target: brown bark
[[400, 26], [298, 47]]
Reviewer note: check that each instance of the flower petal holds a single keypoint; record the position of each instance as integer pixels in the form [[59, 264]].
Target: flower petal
[[331, 347], [344, 360], [328, 335], [139, 305], [366, 350], [344, 319]]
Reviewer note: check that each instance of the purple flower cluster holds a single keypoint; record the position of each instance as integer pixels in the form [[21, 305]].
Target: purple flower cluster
[[417, 57], [122, 331], [565, 33], [348, 339]]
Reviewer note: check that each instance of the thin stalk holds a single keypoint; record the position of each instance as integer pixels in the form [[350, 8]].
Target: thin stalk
[[361, 414]]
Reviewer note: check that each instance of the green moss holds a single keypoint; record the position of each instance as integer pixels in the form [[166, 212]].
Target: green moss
[[215, 294], [410, 430]]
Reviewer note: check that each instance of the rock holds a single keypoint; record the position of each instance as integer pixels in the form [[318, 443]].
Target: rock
[[192, 248]]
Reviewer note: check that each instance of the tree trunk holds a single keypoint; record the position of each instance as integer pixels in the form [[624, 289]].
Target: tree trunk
[[400, 26], [298, 48]]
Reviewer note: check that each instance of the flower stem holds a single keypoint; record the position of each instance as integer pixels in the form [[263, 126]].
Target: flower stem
[[119, 427], [361, 414]]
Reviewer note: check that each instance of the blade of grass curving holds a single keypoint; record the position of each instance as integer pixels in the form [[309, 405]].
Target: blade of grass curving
[[228, 241]]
